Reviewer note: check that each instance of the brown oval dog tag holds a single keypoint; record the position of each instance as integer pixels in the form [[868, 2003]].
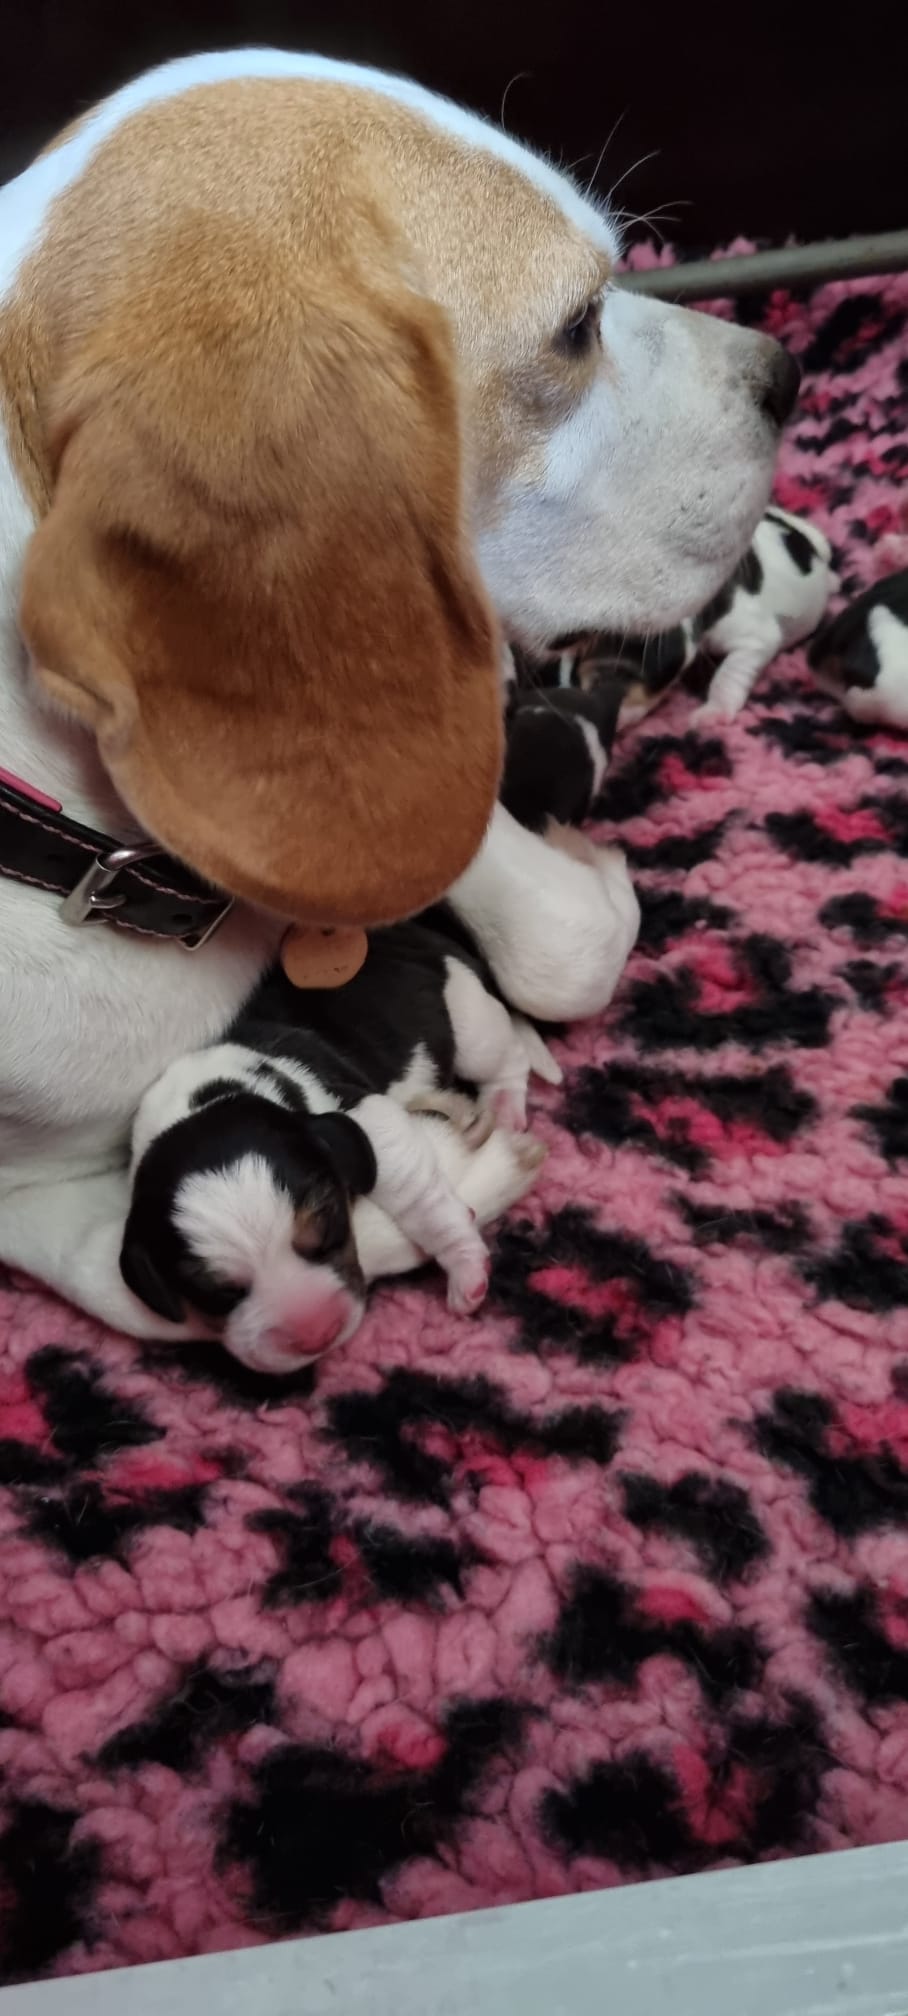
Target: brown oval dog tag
[[313, 957]]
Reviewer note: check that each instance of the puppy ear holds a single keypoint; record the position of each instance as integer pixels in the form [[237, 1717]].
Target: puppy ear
[[348, 1150], [255, 582], [141, 1275]]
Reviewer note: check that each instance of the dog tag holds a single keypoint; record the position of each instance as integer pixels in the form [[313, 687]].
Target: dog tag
[[322, 958]]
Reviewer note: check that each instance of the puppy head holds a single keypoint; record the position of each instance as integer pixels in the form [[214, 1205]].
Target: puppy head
[[240, 1216], [802, 541]]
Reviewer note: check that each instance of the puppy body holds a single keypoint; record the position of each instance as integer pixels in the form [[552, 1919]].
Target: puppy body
[[862, 655], [557, 747], [242, 1223], [774, 599], [422, 1016]]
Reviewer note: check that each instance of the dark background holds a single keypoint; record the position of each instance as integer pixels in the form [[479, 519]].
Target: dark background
[[768, 120]]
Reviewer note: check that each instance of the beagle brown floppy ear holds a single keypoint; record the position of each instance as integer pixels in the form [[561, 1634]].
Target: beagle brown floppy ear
[[254, 582]]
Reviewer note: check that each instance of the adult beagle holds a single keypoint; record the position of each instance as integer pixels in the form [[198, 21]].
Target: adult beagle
[[312, 388]]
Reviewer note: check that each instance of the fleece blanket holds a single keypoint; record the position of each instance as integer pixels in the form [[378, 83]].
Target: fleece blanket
[[612, 1581]]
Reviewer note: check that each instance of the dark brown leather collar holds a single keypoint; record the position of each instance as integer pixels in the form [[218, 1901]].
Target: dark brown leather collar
[[136, 888]]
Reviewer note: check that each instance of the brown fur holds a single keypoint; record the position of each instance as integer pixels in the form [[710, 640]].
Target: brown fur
[[241, 369], [254, 581]]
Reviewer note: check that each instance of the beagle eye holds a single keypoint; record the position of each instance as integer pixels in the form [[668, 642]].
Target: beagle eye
[[579, 335]]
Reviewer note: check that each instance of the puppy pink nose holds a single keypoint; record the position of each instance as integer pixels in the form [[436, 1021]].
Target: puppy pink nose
[[309, 1330]]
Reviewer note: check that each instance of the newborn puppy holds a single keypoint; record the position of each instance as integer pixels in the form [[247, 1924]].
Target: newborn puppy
[[422, 1016], [862, 655], [775, 598], [556, 753], [246, 1168]]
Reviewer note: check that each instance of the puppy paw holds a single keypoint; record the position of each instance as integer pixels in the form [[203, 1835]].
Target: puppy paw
[[508, 1106], [529, 1154], [710, 715], [482, 1124], [468, 1284]]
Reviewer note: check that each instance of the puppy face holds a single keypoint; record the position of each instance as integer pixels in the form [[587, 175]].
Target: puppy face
[[241, 1217]]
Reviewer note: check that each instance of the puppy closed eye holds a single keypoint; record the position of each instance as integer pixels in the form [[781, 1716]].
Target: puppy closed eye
[[322, 1231], [212, 1297]]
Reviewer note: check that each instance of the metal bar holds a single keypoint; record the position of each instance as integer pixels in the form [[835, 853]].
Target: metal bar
[[822, 1936], [787, 266]]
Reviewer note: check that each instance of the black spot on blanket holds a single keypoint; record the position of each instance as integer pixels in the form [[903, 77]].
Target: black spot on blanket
[[208, 1706], [47, 1884], [602, 1634], [714, 1516], [318, 1826]]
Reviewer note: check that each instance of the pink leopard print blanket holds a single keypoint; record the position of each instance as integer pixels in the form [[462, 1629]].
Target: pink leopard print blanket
[[613, 1581]]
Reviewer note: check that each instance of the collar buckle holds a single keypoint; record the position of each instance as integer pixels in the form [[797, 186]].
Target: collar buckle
[[95, 896]]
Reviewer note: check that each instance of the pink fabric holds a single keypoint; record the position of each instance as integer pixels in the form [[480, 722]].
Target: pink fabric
[[612, 1580]]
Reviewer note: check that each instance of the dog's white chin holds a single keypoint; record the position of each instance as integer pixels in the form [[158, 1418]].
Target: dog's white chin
[[657, 574]]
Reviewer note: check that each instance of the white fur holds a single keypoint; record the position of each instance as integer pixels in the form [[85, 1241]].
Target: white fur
[[417, 1080], [555, 930], [598, 755], [487, 1048], [541, 1062], [410, 1189], [648, 491], [408, 1186], [886, 701], [488, 1179], [787, 606], [652, 484], [237, 1220]]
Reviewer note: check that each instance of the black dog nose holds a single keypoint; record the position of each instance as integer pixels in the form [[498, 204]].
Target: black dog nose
[[780, 387]]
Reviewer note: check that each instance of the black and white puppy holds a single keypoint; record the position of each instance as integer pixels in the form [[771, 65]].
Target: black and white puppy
[[558, 743], [862, 655], [422, 1016], [273, 1176], [775, 598]]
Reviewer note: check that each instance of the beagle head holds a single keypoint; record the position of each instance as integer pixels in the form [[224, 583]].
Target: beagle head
[[319, 386]]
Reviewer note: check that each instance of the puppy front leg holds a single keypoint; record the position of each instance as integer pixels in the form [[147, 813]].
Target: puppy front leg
[[488, 1179], [412, 1190], [68, 1235], [733, 681]]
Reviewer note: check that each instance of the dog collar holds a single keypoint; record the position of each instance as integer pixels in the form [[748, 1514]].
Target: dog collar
[[135, 888]]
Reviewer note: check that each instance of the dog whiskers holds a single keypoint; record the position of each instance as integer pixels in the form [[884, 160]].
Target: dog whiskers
[[519, 77]]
